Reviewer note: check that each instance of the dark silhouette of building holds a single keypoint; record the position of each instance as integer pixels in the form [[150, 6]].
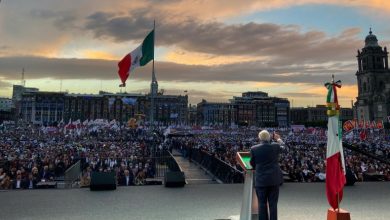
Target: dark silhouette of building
[[373, 78], [47, 108], [317, 114]]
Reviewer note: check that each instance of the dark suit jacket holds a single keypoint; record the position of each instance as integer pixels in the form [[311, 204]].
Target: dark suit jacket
[[265, 159], [14, 184], [46, 175], [122, 181], [26, 183]]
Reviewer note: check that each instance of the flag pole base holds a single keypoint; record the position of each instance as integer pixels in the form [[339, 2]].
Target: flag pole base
[[338, 214]]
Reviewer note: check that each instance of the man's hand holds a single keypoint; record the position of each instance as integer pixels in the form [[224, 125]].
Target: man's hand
[[278, 139], [276, 136]]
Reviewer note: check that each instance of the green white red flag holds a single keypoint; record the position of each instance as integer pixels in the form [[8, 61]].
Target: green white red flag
[[138, 57], [335, 166]]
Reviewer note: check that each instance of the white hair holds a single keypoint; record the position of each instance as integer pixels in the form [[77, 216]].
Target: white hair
[[264, 135]]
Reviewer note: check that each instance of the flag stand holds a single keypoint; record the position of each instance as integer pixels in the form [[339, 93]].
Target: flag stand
[[338, 214]]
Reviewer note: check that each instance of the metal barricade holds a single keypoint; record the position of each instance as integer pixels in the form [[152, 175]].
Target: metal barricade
[[220, 169], [72, 174]]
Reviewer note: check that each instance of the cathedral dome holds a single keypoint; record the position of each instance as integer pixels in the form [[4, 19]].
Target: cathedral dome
[[371, 40]]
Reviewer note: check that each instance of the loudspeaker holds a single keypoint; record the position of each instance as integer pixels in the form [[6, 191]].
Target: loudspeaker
[[174, 179], [102, 181]]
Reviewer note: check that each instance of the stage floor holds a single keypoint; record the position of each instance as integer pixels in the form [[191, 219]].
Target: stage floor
[[298, 201]]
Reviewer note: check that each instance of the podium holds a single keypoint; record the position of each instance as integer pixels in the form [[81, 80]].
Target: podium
[[249, 206]]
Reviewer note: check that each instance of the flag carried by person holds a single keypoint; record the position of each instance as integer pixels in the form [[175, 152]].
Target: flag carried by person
[[138, 57], [335, 165]]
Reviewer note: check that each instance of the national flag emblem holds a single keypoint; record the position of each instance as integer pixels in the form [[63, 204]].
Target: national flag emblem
[[138, 57], [335, 166]]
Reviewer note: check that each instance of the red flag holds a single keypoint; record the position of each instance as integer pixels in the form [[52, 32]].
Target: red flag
[[379, 124], [373, 124], [363, 135], [361, 124], [124, 68], [368, 124]]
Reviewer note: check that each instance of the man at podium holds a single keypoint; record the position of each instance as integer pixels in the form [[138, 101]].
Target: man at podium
[[268, 176]]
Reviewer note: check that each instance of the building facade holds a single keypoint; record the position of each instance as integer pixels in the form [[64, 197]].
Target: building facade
[[43, 108], [215, 114], [258, 109], [317, 114], [6, 104], [17, 92], [251, 109], [373, 80], [47, 108]]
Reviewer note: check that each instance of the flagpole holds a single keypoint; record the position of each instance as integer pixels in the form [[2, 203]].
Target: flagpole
[[152, 89]]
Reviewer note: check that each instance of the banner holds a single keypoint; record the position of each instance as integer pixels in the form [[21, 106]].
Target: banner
[[129, 101], [174, 115], [348, 125], [351, 124]]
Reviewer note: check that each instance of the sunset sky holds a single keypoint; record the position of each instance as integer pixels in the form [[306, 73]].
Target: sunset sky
[[214, 49]]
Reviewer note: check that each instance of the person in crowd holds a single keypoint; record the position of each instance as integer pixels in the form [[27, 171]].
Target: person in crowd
[[6, 183], [30, 182], [18, 181], [46, 174], [127, 179]]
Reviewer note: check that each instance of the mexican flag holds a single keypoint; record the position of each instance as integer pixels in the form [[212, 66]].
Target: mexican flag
[[335, 166], [138, 57]]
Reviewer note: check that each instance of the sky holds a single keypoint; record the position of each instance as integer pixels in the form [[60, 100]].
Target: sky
[[214, 49]]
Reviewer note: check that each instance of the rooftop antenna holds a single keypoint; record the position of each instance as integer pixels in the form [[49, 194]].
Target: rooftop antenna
[[23, 81]]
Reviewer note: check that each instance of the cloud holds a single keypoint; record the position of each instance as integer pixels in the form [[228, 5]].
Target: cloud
[[285, 43], [4, 85], [61, 19], [41, 67]]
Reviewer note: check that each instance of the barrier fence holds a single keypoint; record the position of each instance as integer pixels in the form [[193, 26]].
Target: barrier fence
[[220, 169], [163, 162], [72, 174]]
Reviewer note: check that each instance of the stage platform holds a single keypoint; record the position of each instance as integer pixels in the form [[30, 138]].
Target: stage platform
[[298, 201]]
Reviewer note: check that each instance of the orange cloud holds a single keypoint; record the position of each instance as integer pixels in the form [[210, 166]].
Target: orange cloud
[[93, 54], [219, 9], [194, 58]]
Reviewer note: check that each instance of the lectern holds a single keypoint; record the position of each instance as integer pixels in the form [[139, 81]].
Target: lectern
[[249, 206]]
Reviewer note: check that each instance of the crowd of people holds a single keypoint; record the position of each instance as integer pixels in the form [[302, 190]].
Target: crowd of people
[[302, 159], [30, 155]]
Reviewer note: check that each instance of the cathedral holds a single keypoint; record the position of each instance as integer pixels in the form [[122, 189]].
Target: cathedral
[[373, 78]]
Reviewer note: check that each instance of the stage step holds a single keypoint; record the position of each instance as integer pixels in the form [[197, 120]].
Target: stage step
[[193, 173]]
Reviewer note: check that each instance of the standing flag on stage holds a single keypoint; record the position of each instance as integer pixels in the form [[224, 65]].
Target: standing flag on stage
[[335, 166], [138, 57]]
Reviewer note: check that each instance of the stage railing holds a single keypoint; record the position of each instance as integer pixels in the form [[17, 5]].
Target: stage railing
[[220, 169], [164, 162], [72, 174], [361, 149]]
